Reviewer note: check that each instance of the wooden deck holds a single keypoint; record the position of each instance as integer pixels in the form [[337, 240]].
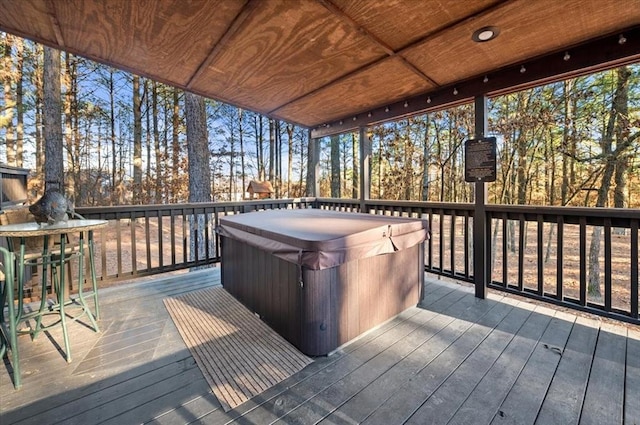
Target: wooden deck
[[456, 360]]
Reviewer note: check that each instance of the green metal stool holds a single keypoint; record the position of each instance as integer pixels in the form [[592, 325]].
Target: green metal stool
[[8, 324]]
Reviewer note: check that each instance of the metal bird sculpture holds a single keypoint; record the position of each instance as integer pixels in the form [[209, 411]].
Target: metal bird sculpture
[[51, 208]]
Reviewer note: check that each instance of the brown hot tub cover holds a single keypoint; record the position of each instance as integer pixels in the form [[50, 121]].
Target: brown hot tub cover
[[321, 239]]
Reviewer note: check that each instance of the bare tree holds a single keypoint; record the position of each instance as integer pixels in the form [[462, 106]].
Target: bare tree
[[335, 166], [137, 142], [9, 103], [199, 170], [52, 115]]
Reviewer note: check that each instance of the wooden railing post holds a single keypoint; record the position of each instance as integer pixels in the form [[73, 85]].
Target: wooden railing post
[[480, 235]]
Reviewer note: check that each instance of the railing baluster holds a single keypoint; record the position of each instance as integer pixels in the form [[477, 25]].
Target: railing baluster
[[441, 252], [103, 254], [184, 236], [634, 268], [487, 250], [452, 244], [583, 261], [607, 264], [521, 242], [467, 257], [134, 247], [160, 240], [147, 235], [505, 251], [172, 224], [119, 247], [540, 253], [560, 259], [430, 257]]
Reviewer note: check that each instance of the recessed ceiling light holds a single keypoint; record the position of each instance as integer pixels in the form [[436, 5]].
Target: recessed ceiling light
[[485, 34]]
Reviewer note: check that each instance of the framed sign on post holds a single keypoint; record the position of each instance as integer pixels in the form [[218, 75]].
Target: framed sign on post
[[480, 160]]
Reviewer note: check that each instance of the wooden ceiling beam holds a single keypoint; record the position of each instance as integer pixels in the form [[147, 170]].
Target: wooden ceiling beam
[[573, 61], [55, 24], [248, 8]]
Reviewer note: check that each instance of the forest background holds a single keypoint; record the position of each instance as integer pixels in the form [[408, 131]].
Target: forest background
[[574, 142]]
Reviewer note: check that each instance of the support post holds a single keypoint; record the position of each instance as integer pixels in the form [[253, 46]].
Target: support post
[[365, 174], [480, 214]]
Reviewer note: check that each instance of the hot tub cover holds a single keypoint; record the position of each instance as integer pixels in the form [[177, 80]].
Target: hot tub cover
[[321, 239]]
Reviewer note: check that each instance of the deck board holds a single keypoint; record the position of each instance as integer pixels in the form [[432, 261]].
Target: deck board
[[456, 359], [565, 397]]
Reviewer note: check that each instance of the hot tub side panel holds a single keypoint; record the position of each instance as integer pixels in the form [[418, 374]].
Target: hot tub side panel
[[333, 305], [265, 284]]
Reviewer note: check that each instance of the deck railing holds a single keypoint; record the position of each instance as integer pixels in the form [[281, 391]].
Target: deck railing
[[582, 258], [149, 239], [547, 253]]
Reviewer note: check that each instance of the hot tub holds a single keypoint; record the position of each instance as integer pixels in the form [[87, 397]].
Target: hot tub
[[321, 278]]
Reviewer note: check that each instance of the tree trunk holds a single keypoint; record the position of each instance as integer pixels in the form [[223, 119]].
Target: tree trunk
[[72, 162], [408, 163], [241, 140], [426, 161], [175, 147], [289, 160], [148, 175], [156, 144], [53, 166], [19, 102], [616, 126], [115, 190], [272, 150], [567, 140], [355, 182], [38, 77], [310, 167], [259, 147], [9, 102], [137, 142], [199, 169], [335, 166]]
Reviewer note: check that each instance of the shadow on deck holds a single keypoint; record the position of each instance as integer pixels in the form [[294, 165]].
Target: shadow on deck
[[456, 359]]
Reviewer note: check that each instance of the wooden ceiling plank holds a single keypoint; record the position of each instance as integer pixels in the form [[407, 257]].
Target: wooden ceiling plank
[[350, 21], [236, 25], [334, 9]]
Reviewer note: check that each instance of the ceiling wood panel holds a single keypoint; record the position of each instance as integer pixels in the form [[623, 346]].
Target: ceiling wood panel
[[171, 37], [283, 53], [13, 16], [400, 23], [360, 92], [313, 61], [454, 56]]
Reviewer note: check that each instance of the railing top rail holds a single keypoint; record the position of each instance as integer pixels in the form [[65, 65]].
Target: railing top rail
[[191, 205], [630, 213]]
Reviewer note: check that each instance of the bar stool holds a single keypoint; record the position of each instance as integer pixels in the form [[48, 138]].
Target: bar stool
[[8, 324]]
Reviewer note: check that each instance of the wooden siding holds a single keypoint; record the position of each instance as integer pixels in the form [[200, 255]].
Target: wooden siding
[[455, 359]]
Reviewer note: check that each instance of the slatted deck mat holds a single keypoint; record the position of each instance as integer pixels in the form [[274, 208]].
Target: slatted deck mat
[[239, 355]]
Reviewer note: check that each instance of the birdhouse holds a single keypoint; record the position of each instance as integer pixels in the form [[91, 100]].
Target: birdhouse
[[260, 190]]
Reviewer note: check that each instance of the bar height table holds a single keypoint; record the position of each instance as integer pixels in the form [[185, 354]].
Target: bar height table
[[55, 260]]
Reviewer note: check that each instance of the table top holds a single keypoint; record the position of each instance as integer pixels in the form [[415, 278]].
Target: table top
[[35, 229]]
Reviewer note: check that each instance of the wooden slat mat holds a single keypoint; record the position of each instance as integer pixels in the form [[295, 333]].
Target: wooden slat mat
[[239, 355]]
